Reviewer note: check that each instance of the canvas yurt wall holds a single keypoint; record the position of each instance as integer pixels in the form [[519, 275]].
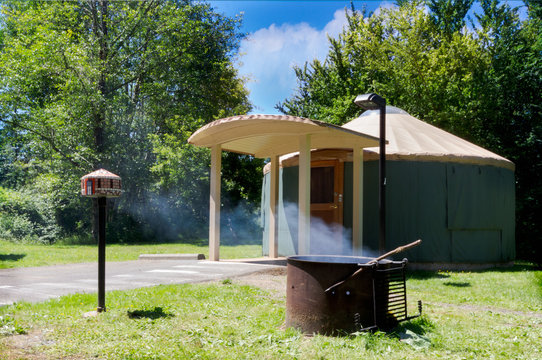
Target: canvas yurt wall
[[457, 197]]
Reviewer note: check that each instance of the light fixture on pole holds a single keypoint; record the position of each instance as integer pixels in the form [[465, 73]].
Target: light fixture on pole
[[373, 102]]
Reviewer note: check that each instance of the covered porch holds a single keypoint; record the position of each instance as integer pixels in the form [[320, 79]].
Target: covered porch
[[269, 137]]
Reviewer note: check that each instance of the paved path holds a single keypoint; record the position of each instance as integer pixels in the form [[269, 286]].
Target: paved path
[[42, 283]]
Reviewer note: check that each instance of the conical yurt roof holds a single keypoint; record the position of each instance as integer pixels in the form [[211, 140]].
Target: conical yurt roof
[[410, 138]]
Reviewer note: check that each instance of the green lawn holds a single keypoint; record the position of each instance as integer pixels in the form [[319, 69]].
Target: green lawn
[[472, 315], [24, 255], [517, 288]]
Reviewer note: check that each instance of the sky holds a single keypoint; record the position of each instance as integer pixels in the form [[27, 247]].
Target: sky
[[282, 34]]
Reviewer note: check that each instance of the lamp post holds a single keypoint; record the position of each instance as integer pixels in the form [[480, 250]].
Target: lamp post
[[373, 102]]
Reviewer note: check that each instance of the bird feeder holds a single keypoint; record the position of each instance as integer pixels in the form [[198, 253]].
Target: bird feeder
[[101, 184]]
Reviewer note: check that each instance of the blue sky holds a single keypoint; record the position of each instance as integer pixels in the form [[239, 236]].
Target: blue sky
[[282, 34]]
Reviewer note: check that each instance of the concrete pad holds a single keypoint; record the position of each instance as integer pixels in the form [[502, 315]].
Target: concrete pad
[[93, 313], [280, 261]]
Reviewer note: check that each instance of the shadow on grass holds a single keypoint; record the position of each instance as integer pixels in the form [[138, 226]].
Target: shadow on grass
[[459, 284], [154, 314], [420, 325], [412, 332], [425, 275], [12, 257]]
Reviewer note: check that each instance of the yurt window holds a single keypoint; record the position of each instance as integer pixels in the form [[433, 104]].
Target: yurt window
[[322, 184]]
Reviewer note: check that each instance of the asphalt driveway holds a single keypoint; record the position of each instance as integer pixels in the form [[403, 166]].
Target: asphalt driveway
[[43, 283]]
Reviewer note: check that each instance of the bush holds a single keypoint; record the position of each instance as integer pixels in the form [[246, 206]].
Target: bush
[[17, 227], [26, 215]]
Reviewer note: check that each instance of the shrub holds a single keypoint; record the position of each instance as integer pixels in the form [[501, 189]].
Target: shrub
[[26, 215]]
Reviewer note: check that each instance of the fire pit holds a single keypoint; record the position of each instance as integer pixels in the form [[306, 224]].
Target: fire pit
[[331, 295]]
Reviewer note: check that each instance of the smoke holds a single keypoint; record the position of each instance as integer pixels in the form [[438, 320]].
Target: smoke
[[160, 218], [240, 225], [170, 217], [325, 238]]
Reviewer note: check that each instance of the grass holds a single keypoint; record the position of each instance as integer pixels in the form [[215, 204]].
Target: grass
[[517, 288], [472, 315], [25, 255]]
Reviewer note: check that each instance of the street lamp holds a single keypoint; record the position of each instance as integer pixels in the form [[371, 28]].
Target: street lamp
[[373, 102]]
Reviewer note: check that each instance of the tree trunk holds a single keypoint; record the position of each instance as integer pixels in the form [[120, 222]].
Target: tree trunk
[[100, 16]]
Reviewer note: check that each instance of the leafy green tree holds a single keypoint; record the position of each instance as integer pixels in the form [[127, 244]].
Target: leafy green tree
[[397, 53], [483, 84], [120, 85], [511, 94], [12, 154], [449, 15]]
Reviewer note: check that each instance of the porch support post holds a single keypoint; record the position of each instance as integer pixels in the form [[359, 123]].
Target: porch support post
[[304, 220], [273, 208], [357, 206], [214, 203]]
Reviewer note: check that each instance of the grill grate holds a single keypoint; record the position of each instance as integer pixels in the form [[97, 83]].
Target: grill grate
[[390, 297]]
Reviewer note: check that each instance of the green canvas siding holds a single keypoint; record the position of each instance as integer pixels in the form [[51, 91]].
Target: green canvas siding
[[481, 212], [415, 208], [464, 213]]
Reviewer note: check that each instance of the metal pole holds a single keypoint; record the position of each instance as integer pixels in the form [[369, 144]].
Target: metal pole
[[382, 180], [372, 102], [102, 201]]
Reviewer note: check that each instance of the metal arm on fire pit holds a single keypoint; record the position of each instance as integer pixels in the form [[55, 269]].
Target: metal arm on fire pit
[[374, 261]]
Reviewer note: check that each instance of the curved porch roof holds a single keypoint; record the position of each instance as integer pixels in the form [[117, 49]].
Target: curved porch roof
[[264, 136]]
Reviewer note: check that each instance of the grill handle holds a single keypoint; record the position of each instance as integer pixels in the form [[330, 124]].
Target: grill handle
[[374, 261]]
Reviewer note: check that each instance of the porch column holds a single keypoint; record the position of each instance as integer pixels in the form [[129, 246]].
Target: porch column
[[304, 220], [214, 203], [273, 208], [357, 199]]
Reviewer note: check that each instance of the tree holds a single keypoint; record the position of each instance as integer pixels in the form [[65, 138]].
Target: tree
[[120, 85], [397, 53], [511, 93], [483, 84], [449, 15]]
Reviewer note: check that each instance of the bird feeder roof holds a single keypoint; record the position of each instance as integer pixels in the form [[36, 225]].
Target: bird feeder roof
[[101, 174]]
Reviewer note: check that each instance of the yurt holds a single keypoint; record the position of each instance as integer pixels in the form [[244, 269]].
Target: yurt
[[456, 196]]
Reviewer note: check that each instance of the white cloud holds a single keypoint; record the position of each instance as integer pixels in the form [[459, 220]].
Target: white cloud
[[269, 55], [385, 5], [335, 26]]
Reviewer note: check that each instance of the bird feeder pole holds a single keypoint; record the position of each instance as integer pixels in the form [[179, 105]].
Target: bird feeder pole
[[101, 184]]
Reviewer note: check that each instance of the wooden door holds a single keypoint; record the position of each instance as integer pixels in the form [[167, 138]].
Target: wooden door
[[327, 207]]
